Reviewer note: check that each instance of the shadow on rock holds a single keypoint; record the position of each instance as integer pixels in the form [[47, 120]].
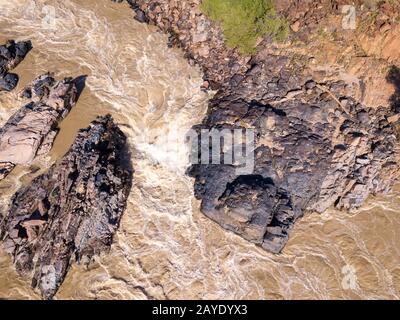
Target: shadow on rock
[[393, 77], [80, 83]]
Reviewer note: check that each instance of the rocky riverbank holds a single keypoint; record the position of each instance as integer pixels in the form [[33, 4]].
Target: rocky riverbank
[[323, 138], [201, 40]]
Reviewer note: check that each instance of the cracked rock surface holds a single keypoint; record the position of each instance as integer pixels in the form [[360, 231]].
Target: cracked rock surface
[[72, 211]]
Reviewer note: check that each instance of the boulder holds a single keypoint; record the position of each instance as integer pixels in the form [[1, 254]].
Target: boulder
[[31, 131]]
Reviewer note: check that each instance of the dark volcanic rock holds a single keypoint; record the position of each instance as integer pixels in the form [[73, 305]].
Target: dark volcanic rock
[[31, 131], [314, 148], [11, 54], [72, 211]]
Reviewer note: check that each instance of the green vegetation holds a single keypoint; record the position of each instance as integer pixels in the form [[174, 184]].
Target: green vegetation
[[244, 21]]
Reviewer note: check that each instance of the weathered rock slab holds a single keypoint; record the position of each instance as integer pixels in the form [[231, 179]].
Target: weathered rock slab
[[30, 132]]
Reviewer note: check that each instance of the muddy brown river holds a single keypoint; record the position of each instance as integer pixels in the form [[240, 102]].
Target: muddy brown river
[[165, 248]]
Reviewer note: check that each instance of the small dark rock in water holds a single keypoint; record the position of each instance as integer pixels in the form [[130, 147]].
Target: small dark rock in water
[[9, 81], [72, 211], [140, 16], [31, 131], [11, 54]]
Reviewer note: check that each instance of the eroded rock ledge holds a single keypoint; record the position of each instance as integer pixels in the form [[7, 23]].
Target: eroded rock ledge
[[72, 211], [11, 54], [31, 131]]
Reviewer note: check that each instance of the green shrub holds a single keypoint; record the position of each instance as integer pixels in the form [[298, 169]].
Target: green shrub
[[244, 21]]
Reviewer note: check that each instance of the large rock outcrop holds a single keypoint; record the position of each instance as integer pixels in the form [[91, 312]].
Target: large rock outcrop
[[31, 131], [72, 211], [11, 54], [315, 147], [318, 143]]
